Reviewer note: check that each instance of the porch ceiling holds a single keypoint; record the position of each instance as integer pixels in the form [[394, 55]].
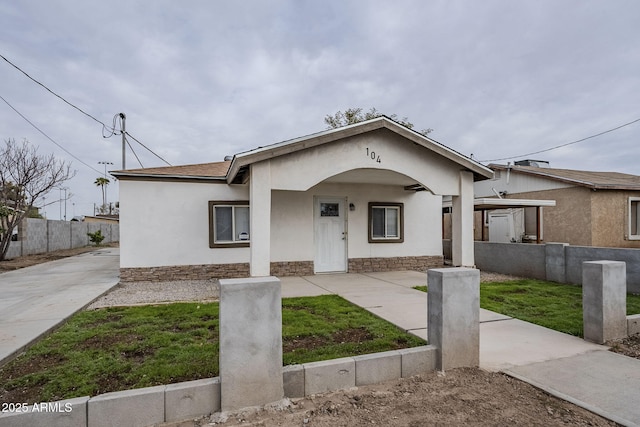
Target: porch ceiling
[[372, 176]]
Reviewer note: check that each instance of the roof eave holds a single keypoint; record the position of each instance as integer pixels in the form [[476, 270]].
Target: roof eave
[[297, 144], [480, 171], [131, 176], [588, 184]]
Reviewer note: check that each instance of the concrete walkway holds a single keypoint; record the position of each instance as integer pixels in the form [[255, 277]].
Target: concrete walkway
[[568, 367], [34, 300]]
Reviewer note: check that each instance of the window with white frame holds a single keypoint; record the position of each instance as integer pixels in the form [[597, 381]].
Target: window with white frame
[[228, 224], [386, 223], [634, 218]]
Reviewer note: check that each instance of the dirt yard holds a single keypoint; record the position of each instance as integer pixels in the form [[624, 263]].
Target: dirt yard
[[458, 397]]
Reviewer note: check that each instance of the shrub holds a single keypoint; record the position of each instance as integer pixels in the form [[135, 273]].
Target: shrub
[[96, 237]]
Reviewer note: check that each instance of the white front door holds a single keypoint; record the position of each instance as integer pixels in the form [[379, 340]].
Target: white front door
[[330, 235]]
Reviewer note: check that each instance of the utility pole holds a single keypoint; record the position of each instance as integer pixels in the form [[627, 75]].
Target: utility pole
[[65, 202], [105, 163], [124, 141]]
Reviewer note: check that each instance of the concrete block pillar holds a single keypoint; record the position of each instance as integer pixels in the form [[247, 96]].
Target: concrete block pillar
[[250, 342], [555, 265], [604, 300], [453, 311], [260, 224], [462, 223]]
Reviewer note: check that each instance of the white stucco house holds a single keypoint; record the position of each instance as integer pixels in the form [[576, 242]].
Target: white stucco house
[[361, 198]]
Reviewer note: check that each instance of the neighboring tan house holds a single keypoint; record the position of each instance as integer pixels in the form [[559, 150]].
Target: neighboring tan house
[[361, 198], [109, 219], [592, 208]]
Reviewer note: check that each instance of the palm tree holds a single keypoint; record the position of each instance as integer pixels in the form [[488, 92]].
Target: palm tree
[[101, 182]]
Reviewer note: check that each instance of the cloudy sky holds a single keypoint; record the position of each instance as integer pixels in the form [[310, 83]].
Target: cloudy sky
[[199, 80]]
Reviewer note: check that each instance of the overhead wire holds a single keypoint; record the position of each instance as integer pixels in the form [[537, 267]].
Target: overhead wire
[[148, 149], [565, 144], [47, 136], [133, 151], [110, 131], [104, 126]]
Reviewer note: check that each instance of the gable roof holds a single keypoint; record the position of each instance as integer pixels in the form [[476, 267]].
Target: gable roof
[[235, 171], [589, 179], [241, 160]]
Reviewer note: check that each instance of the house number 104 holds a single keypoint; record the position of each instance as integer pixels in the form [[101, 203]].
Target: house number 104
[[373, 156]]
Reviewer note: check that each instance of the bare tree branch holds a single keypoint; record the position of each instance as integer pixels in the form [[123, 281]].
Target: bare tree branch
[[25, 176]]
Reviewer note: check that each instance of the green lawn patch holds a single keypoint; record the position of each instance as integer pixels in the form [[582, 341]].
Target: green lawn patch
[[552, 305], [121, 348]]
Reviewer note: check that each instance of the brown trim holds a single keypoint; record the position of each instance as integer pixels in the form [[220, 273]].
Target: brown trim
[[400, 239], [212, 241]]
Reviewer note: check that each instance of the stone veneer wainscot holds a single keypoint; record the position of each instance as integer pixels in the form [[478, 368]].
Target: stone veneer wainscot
[[282, 269]]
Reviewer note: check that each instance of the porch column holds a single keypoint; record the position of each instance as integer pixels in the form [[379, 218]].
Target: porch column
[[260, 211], [462, 223]]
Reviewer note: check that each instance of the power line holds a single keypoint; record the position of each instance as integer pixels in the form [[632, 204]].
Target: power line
[[47, 136], [104, 126], [110, 131], [151, 151], [563, 145], [134, 152]]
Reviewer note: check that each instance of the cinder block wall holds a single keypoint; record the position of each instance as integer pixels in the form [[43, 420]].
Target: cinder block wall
[[576, 255], [79, 236], [34, 237], [38, 236], [519, 259], [531, 260], [59, 235]]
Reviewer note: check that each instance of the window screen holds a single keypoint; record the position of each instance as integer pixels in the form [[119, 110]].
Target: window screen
[[385, 222]]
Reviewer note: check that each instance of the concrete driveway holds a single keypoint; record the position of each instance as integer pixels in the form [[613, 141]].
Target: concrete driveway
[[36, 299]]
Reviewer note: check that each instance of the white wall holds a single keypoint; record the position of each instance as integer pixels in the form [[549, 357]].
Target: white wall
[[292, 222], [167, 223], [304, 169]]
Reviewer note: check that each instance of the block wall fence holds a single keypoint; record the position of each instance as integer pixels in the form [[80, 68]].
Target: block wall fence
[[556, 262], [36, 236]]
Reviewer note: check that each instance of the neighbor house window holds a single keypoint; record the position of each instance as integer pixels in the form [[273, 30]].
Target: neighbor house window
[[634, 218], [386, 223], [228, 224]]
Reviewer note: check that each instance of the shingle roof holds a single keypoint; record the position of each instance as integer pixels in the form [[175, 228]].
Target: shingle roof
[[202, 170], [590, 179]]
